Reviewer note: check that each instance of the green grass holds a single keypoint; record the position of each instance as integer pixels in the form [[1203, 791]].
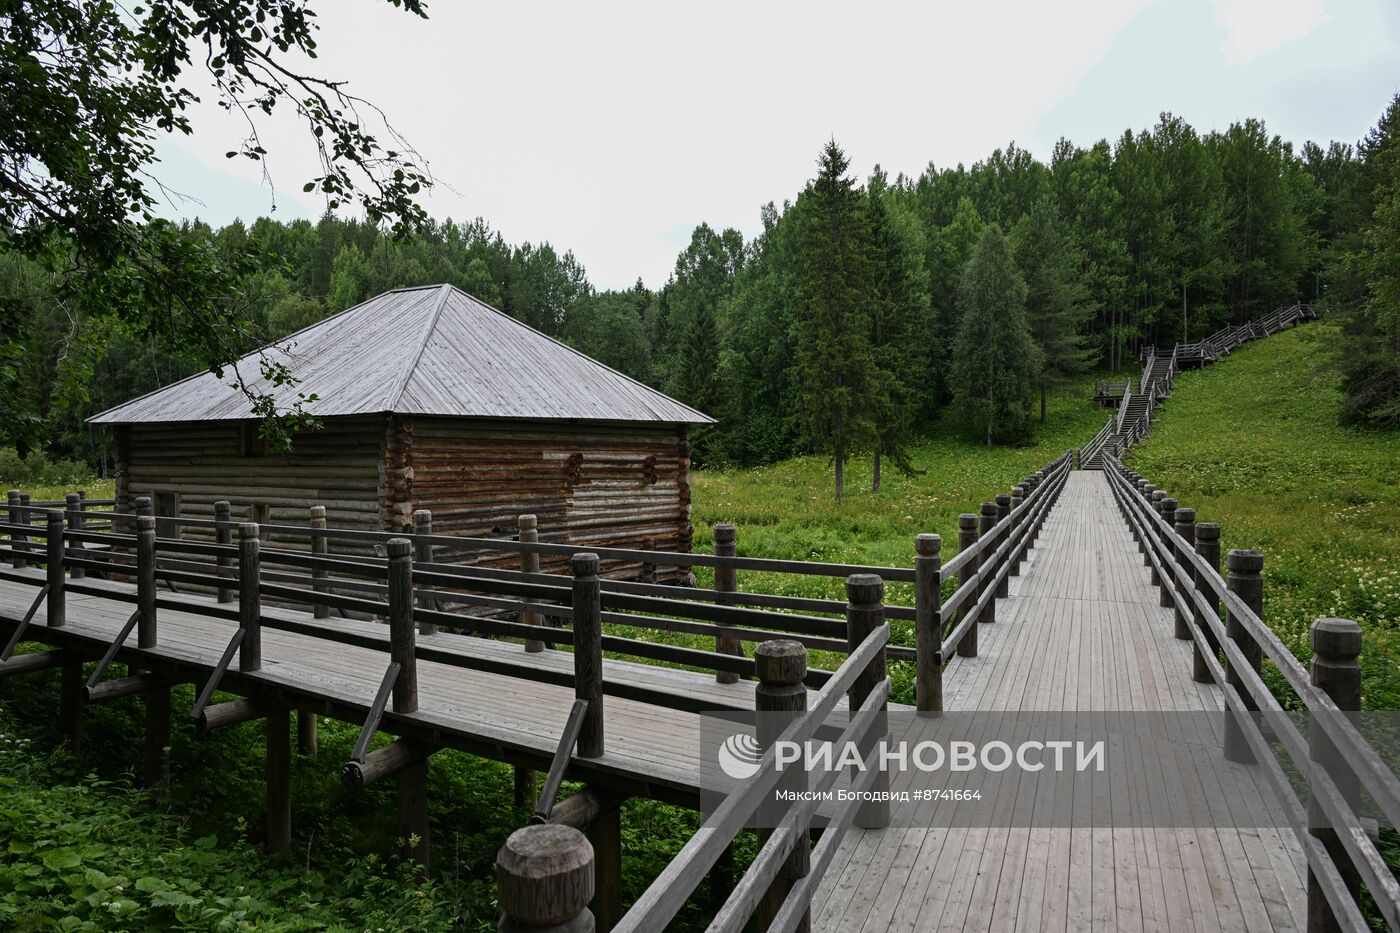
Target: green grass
[[1254, 444]]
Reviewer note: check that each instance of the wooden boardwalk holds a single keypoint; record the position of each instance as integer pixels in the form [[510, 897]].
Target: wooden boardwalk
[[1081, 631]]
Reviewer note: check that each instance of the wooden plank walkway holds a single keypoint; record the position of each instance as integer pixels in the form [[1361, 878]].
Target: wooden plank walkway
[[1081, 631], [651, 750]]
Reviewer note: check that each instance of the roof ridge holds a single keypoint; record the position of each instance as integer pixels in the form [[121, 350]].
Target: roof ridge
[[444, 291]]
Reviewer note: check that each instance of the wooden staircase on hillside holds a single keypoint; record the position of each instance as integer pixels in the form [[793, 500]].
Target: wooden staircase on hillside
[[1134, 416]]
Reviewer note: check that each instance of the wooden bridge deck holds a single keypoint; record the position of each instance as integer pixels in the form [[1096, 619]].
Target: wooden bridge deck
[[1081, 631], [651, 750]]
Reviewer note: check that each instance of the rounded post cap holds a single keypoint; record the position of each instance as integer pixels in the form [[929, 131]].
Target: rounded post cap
[[143, 502], [967, 521], [726, 533], [1242, 560], [780, 662], [863, 589], [422, 517], [1185, 516], [145, 523], [13, 493], [1207, 531], [1336, 638], [399, 547], [989, 508], [1169, 504], [1149, 488], [73, 497], [526, 522], [1158, 495], [1003, 498], [1018, 492], [544, 874], [248, 531], [927, 545], [317, 511], [584, 564], [55, 517]]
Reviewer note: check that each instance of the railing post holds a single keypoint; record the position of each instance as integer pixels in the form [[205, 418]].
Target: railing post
[[1164, 580], [928, 632], [1003, 510], [25, 519], [413, 779], [1245, 580], [1337, 673], [73, 502], [1208, 547], [967, 537], [1154, 502], [1186, 528], [588, 651], [249, 598], [780, 697], [16, 518], [984, 561], [223, 535], [529, 530], [1018, 495], [146, 580], [726, 581], [865, 612], [544, 881], [423, 554], [320, 547], [56, 601]]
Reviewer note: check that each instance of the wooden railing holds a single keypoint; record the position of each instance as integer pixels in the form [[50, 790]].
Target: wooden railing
[[1336, 761], [1096, 443]]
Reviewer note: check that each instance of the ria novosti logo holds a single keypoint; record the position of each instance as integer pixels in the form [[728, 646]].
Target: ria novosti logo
[[739, 756]]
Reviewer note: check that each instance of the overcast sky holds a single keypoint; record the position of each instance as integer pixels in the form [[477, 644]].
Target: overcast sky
[[612, 129]]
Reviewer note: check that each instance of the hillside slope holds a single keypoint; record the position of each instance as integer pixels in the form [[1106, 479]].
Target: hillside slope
[[1253, 442]]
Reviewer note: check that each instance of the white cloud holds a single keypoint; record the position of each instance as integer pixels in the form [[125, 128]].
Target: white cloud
[[1256, 27]]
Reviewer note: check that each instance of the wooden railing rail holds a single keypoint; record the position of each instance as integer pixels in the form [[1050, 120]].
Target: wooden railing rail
[[1339, 849]]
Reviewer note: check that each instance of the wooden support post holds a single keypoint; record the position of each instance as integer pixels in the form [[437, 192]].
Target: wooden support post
[[403, 649], [865, 612], [544, 881], [73, 503], [1158, 496], [308, 732], [928, 632], [320, 547], [1164, 580], [223, 535], [158, 738], [1003, 510], [249, 598], [146, 635], [25, 518], [588, 651], [1208, 547], [967, 537], [780, 698], [57, 603], [1245, 580], [605, 834], [423, 554], [1337, 673], [1018, 495], [279, 781], [70, 702], [726, 581], [989, 521], [529, 532], [526, 788], [1186, 528], [15, 518]]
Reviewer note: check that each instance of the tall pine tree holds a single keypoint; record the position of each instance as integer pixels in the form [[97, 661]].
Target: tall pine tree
[[995, 359], [831, 313]]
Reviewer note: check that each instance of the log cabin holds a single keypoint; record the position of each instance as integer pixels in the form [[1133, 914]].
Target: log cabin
[[427, 399]]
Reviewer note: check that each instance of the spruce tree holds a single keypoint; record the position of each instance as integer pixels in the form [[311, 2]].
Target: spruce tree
[[995, 359], [831, 313], [901, 327], [1058, 307]]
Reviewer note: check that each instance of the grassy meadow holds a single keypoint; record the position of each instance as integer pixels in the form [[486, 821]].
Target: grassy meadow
[[1254, 444]]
